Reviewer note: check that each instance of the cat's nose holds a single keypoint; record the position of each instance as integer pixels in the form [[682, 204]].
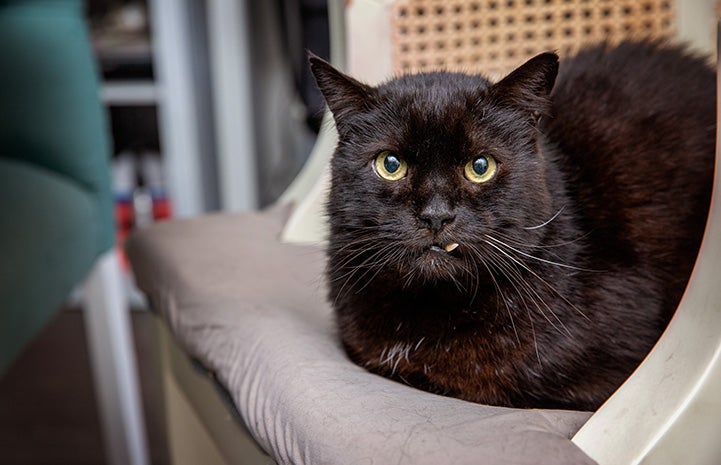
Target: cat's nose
[[436, 214]]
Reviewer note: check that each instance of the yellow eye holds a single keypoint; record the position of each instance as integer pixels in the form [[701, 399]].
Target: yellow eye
[[481, 169], [390, 166]]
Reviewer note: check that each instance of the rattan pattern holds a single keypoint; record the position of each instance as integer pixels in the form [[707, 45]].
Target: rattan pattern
[[495, 36]]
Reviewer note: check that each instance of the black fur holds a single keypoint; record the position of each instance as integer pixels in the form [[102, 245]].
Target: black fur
[[614, 161]]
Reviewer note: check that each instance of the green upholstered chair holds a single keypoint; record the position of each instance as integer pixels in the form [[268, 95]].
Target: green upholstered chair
[[56, 224]]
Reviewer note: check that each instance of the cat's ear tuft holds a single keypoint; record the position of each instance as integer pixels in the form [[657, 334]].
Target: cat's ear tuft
[[343, 94], [529, 86]]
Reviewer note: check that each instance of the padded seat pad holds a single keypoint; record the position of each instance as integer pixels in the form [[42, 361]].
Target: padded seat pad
[[254, 311]]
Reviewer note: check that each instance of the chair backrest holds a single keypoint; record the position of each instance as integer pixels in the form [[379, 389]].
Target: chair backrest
[[669, 410], [50, 110], [381, 38], [494, 36]]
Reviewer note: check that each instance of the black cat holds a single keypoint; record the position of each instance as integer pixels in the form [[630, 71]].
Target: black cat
[[520, 243]]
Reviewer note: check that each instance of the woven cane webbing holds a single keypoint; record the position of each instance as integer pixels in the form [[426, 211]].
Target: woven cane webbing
[[495, 36]]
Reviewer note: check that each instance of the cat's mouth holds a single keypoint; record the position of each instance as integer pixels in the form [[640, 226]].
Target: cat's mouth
[[444, 248], [438, 261]]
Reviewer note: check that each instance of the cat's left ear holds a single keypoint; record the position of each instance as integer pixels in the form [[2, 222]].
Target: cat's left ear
[[529, 86], [343, 94]]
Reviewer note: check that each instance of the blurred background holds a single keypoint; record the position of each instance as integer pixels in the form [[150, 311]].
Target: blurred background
[[194, 91]]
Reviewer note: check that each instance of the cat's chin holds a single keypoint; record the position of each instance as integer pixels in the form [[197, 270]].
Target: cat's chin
[[436, 264]]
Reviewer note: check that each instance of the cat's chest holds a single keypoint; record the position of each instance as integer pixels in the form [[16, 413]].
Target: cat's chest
[[468, 345], [476, 366]]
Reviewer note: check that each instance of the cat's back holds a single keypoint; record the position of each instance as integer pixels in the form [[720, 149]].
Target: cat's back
[[639, 117], [634, 97], [635, 80], [633, 133]]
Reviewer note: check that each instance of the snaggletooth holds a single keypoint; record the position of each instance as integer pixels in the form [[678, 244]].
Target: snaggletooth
[[451, 247]]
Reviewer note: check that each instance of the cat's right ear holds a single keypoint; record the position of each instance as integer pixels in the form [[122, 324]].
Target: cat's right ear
[[343, 94], [529, 86]]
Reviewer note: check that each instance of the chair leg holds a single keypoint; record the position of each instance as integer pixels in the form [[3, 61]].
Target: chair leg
[[113, 358]]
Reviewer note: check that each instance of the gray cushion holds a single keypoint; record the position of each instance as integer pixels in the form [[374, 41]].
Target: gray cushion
[[254, 312]]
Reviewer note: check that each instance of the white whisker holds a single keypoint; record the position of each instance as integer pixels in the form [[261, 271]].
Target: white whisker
[[550, 262], [515, 275], [524, 266], [547, 221]]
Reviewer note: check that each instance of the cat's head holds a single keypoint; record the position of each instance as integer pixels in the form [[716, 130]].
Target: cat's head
[[428, 165]]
